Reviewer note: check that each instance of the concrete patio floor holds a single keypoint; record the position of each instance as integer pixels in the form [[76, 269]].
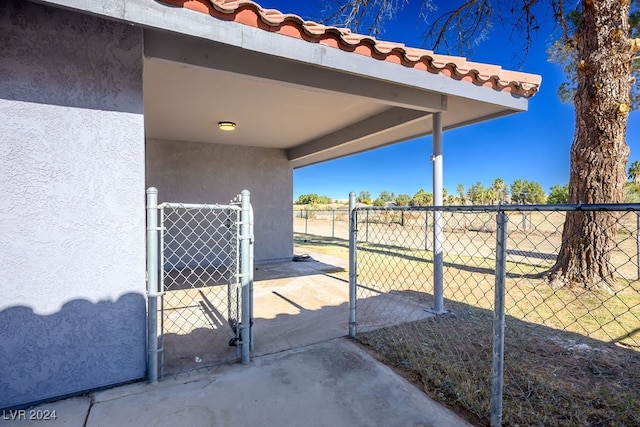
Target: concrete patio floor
[[303, 370], [295, 304], [333, 384]]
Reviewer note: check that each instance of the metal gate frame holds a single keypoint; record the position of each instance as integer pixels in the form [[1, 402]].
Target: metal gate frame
[[155, 274]]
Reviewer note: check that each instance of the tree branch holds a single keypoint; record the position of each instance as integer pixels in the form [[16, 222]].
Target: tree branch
[[449, 17]]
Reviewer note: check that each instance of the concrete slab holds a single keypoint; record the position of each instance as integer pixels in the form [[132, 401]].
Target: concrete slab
[[291, 300], [303, 372], [333, 383], [197, 333], [295, 312], [309, 305]]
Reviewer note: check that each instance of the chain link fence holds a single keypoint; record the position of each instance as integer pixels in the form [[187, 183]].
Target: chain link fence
[[322, 222], [513, 344]]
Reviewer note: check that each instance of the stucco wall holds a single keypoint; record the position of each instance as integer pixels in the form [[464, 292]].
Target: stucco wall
[[72, 312], [192, 172]]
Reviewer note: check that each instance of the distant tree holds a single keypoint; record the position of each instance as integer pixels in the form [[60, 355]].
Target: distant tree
[[379, 202], [518, 192], [498, 191], [535, 193], [386, 196], [530, 192], [312, 199], [402, 199], [422, 198], [364, 197], [451, 200], [461, 196], [634, 172], [558, 195], [307, 199], [445, 196], [477, 193]]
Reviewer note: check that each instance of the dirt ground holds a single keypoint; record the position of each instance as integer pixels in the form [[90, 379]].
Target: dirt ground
[[534, 238]]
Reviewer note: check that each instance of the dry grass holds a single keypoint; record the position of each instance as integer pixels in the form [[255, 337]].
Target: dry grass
[[572, 357], [549, 380]]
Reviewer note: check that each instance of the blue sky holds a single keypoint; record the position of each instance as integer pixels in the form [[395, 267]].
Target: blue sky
[[533, 145]]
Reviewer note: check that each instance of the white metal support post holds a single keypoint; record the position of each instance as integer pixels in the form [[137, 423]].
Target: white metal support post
[[152, 285], [353, 274], [245, 275], [438, 238]]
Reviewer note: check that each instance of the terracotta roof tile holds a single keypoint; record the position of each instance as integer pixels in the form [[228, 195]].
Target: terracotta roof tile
[[252, 14]]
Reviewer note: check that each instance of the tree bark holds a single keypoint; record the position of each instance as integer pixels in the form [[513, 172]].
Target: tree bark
[[599, 152]]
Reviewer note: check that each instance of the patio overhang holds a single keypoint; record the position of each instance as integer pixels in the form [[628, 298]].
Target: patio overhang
[[292, 91]]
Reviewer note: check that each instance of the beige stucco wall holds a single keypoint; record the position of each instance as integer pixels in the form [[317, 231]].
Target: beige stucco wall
[[72, 216], [193, 172]]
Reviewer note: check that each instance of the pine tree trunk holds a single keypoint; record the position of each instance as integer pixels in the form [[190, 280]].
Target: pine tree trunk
[[599, 152]]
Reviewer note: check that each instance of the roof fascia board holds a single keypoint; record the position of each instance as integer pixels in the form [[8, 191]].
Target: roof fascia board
[[198, 52], [382, 122], [328, 57], [160, 16]]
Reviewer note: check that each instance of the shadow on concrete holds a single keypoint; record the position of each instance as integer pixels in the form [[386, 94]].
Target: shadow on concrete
[[296, 304]]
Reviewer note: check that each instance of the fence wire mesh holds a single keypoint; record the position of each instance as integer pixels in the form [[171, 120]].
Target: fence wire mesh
[[200, 308], [572, 351], [322, 222]]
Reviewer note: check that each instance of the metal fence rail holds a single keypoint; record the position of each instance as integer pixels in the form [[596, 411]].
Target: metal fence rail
[[199, 284], [509, 344]]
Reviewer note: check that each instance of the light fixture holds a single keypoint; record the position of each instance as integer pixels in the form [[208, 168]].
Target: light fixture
[[227, 126]]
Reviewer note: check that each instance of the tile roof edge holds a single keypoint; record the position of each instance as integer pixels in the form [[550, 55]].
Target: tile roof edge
[[250, 13]]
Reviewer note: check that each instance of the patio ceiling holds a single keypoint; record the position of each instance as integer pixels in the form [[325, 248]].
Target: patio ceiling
[[317, 91], [314, 114]]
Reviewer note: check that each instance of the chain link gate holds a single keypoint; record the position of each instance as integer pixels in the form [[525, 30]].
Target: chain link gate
[[199, 263]]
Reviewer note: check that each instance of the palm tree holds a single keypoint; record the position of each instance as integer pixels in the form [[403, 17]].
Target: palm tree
[[634, 172], [462, 198], [498, 190]]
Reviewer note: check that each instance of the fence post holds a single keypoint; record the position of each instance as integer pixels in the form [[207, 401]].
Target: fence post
[[366, 231], [353, 276], [333, 224], [152, 285], [306, 220], [497, 380], [245, 275]]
